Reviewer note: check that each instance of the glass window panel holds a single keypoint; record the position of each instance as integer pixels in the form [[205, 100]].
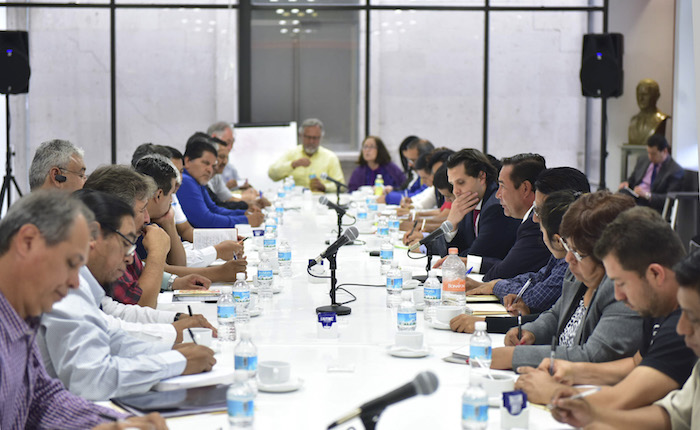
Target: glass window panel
[[306, 67], [428, 3], [69, 87], [176, 74], [427, 77], [305, 4], [535, 101], [548, 3]]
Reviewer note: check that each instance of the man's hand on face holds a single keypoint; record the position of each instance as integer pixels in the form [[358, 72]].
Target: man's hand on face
[[301, 162], [462, 205], [155, 239], [167, 220]]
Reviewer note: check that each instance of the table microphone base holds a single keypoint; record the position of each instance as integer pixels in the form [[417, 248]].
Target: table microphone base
[[338, 309]]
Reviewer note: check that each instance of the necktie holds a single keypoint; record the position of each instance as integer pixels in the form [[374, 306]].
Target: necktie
[[475, 213], [654, 172]]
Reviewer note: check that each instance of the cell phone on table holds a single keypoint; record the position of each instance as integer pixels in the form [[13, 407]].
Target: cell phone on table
[[374, 253]]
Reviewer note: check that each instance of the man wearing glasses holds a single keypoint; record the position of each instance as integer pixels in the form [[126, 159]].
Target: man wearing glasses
[[306, 162], [57, 164], [89, 351]]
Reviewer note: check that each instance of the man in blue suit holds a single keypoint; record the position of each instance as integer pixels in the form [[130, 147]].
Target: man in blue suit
[[482, 230]]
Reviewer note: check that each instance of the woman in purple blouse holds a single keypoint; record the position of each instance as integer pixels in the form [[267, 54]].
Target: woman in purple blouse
[[375, 160]]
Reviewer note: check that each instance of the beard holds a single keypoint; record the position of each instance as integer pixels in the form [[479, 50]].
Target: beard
[[310, 150]]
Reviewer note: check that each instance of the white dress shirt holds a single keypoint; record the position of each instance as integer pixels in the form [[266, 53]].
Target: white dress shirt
[[218, 185], [195, 257], [92, 357], [141, 321], [425, 199]]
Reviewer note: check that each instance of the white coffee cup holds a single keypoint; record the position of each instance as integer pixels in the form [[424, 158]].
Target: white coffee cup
[[407, 275], [202, 335], [445, 313], [496, 386], [274, 372], [409, 339]]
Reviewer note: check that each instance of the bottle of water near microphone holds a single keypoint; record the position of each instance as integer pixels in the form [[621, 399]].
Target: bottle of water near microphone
[[394, 286], [406, 318], [226, 315], [480, 347], [453, 280], [475, 408], [394, 225], [432, 296]]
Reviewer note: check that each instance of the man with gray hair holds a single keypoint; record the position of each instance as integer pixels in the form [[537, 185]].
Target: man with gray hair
[[224, 130], [306, 162], [57, 164], [44, 241]]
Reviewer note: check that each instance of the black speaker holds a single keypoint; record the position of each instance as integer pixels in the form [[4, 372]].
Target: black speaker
[[14, 62], [601, 65]]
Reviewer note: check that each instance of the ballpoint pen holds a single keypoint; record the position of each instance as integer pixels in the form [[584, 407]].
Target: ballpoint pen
[[522, 291], [189, 310], [551, 354], [520, 326], [580, 395]]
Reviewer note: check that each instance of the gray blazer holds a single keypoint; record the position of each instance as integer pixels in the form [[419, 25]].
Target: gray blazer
[[609, 331]]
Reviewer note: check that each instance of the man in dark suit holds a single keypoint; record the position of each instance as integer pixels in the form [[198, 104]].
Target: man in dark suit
[[482, 229], [655, 175]]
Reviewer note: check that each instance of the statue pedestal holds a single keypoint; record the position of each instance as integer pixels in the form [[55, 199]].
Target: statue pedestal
[[626, 151]]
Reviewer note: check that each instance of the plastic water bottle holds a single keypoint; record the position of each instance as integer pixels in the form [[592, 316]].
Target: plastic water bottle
[[284, 259], [372, 208], [406, 314], [394, 225], [475, 408], [282, 192], [265, 278], [270, 246], [383, 229], [386, 256], [480, 346], [240, 399], [432, 295], [271, 220], [279, 211], [241, 295], [362, 217], [453, 283], [245, 356], [394, 286], [378, 185], [226, 315]]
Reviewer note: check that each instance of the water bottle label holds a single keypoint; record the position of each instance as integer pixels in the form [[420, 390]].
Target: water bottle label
[[241, 296], [272, 227], [240, 409], [284, 256], [384, 231], [474, 413], [394, 224], [270, 243], [432, 293], [264, 275], [454, 285], [406, 319], [279, 210], [362, 215], [394, 283], [223, 312], [480, 352], [280, 194], [373, 207], [246, 363], [387, 254]]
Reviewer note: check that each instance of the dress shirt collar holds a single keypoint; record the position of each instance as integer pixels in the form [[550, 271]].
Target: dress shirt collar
[[527, 215], [89, 284]]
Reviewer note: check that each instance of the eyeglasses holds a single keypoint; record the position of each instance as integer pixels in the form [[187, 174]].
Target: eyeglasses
[[577, 256], [131, 248], [307, 137], [81, 175]]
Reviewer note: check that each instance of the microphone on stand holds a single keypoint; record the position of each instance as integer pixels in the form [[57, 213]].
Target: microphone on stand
[[444, 228], [325, 177], [425, 383], [349, 236], [324, 201]]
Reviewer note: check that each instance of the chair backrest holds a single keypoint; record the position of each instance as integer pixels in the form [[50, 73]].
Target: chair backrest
[[690, 180]]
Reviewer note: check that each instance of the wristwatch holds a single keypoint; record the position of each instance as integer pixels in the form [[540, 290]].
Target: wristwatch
[[171, 280], [178, 316]]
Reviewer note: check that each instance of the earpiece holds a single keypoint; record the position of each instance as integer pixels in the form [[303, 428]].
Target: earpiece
[[60, 178]]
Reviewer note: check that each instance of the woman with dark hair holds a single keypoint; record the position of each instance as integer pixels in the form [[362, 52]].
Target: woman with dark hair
[[586, 323], [375, 160]]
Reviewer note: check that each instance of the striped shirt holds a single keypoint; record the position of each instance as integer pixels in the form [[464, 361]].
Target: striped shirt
[[544, 290], [29, 397]]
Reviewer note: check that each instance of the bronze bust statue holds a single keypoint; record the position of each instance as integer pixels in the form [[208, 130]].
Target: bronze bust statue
[[649, 120]]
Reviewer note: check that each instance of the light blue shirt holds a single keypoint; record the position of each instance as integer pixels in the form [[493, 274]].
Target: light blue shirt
[[95, 359]]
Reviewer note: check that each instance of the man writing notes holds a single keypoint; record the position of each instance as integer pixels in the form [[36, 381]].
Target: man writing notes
[[306, 162]]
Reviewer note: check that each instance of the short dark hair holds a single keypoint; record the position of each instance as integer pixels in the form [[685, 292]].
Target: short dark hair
[[562, 178], [526, 167], [474, 162], [160, 169], [383, 156], [175, 153], [440, 155], [440, 179], [688, 271], [218, 141], [587, 217], [553, 209], [108, 209], [639, 237], [422, 162], [147, 149], [199, 143], [659, 142], [123, 182]]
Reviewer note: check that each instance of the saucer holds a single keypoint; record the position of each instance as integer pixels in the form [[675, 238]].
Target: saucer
[[403, 352], [410, 285], [438, 325], [420, 306], [292, 385], [254, 312], [276, 289]]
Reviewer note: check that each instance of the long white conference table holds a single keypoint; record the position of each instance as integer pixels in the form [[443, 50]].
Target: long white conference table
[[341, 374]]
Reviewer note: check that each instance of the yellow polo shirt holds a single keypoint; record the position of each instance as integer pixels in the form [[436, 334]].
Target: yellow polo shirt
[[323, 161]]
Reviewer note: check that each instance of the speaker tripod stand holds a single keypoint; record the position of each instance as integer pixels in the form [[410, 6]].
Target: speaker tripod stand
[[9, 179]]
